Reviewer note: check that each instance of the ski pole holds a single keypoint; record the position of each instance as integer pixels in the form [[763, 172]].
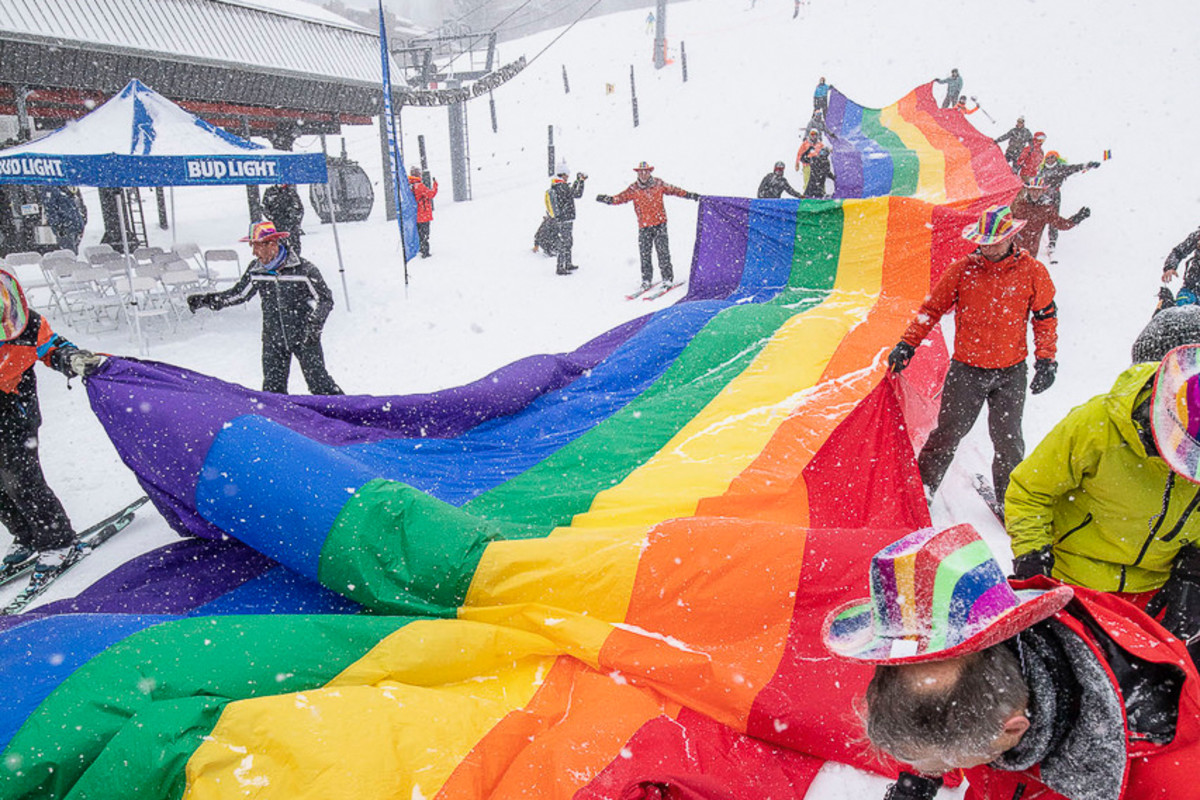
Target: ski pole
[[975, 100]]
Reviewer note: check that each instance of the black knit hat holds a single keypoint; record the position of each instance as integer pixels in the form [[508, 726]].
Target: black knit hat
[[1168, 329]]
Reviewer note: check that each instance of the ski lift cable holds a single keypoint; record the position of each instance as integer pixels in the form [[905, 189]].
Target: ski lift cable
[[564, 32], [481, 36]]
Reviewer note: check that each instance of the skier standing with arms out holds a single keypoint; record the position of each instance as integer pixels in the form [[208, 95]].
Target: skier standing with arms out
[[954, 85], [1018, 138], [295, 304], [1029, 690], [821, 97], [1033, 205], [646, 194], [774, 184], [424, 195], [994, 292], [281, 205], [560, 205], [1108, 499], [30, 510]]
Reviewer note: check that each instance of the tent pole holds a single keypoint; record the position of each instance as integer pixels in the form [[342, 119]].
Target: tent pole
[[337, 242], [137, 317], [174, 238]]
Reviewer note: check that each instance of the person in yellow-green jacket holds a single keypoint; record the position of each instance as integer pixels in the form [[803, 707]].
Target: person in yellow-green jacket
[[1109, 499]]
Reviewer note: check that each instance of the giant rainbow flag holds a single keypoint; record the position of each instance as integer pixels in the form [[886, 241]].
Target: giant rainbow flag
[[583, 576]]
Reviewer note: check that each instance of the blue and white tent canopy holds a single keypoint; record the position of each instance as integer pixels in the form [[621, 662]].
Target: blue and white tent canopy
[[140, 138]]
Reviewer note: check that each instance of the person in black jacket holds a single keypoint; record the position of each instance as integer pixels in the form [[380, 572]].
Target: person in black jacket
[[820, 169], [954, 84], [1188, 250], [63, 217], [774, 184], [33, 514], [1018, 138], [281, 205], [295, 304], [560, 205], [1054, 172]]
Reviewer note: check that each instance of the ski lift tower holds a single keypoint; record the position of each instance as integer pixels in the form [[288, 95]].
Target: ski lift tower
[[451, 58], [660, 34]]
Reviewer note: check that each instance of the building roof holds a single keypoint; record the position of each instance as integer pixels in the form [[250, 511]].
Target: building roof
[[253, 34]]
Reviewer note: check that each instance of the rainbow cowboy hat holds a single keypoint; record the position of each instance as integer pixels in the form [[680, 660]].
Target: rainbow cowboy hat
[[935, 594], [995, 225], [1175, 411], [264, 232], [14, 311]]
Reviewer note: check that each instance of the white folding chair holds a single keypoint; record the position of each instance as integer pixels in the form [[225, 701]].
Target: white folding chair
[[93, 250], [146, 254], [189, 252], [27, 267], [213, 259], [144, 300]]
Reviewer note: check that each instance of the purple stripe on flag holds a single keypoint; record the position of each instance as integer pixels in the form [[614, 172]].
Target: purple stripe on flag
[[722, 231]]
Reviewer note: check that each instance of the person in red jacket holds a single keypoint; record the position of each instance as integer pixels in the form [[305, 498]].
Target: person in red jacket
[[994, 292], [1031, 158], [424, 195], [29, 509], [646, 194], [1027, 689], [1037, 208]]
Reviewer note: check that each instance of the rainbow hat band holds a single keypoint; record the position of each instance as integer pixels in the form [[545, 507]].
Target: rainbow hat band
[[264, 232], [1036, 182], [14, 312], [995, 225], [935, 594], [1175, 411], [643, 167]]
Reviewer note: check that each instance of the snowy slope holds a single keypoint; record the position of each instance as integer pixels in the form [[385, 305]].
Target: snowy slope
[[1092, 75]]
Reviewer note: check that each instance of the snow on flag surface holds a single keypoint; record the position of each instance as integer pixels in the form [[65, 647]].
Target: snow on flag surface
[[580, 573]]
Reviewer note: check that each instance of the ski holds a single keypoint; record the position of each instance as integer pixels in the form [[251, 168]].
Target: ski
[[642, 291], [662, 289], [89, 539], [987, 493]]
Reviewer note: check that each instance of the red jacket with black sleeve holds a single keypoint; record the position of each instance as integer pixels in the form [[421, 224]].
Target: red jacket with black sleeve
[[1124, 642], [993, 303], [19, 410], [648, 201], [424, 195]]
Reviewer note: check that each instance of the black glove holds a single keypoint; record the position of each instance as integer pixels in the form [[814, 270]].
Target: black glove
[[1080, 215], [75, 361], [900, 356], [604, 198], [312, 334], [196, 301], [580, 176], [1165, 298], [692, 196], [1043, 375], [1180, 596], [913, 787], [1039, 562], [1093, 164]]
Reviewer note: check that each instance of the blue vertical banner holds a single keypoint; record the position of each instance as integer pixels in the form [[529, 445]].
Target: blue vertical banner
[[402, 194]]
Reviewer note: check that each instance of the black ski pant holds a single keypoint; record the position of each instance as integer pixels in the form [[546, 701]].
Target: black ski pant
[[28, 507], [655, 237], [423, 236], [277, 366], [963, 395], [564, 228]]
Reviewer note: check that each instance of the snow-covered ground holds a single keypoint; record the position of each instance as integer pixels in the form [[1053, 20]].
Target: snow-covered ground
[[1093, 75]]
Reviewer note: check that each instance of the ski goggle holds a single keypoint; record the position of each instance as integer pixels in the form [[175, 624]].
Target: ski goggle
[[14, 316]]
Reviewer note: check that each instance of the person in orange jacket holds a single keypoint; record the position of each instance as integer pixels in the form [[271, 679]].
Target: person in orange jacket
[[29, 509], [1031, 158], [994, 292], [424, 195], [1036, 207], [646, 194]]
